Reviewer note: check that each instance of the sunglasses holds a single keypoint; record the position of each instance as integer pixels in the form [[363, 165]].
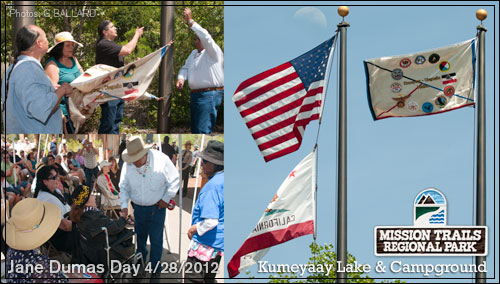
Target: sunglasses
[[52, 177]]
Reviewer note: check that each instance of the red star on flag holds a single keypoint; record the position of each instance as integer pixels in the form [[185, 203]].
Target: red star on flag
[[292, 174]]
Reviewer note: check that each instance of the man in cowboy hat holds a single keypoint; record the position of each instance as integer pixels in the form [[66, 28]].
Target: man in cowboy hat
[[207, 230], [149, 180], [187, 156]]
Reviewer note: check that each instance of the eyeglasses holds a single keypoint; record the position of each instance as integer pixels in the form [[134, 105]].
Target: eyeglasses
[[203, 161], [52, 177]]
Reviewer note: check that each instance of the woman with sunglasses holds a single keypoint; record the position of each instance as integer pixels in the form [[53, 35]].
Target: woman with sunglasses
[[48, 187]]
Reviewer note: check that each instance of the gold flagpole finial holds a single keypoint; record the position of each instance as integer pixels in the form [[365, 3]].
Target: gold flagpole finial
[[481, 14], [343, 11]]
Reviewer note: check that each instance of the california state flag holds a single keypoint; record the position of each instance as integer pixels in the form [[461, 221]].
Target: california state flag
[[289, 215]]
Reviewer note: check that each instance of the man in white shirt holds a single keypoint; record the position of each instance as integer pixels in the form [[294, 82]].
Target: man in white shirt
[[204, 69], [149, 180], [90, 165]]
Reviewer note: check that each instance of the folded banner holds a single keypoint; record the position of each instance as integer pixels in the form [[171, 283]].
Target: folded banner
[[102, 83], [422, 83], [277, 104], [290, 214]]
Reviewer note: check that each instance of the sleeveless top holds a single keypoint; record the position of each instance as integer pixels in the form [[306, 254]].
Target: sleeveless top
[[66, 75]]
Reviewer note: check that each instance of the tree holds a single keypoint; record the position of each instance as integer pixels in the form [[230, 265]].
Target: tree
[[323, 255], [82, 20]]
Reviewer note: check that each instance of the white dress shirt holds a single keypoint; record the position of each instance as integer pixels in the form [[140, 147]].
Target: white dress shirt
[[204, 69], [160, 181]]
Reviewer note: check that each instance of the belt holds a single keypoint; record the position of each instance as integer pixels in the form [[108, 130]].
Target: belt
[[207, 89], [135, 204]]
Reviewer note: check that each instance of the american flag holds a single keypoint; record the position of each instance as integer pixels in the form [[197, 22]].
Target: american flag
[[277, 104]]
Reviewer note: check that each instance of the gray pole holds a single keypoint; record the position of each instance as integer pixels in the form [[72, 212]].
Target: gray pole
[[179, 161], [166, 67], [342, 158], [481, 147], [21, 16]]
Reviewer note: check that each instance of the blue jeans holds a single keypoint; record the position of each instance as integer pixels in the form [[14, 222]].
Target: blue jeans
[[204, 108], [111, 117], [149, 221], [90, 175]]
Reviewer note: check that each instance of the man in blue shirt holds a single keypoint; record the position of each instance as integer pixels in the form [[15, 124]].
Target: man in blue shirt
[[31, 103], [207, 230]]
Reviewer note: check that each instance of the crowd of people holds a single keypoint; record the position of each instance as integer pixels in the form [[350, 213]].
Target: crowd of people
[[48, 111], [138, 188]]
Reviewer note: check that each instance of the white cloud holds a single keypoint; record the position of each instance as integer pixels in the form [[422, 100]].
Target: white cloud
[[312, 15]]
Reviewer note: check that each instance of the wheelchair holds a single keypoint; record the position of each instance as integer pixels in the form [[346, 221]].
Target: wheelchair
[[122, 249]]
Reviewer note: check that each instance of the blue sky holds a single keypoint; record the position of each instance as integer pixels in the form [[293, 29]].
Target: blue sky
[[389, 161]]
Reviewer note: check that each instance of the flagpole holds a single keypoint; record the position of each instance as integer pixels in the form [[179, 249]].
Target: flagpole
[[481, 140], [342, 153]]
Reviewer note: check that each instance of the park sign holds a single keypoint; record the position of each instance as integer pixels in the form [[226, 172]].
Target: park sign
[[430, 235]]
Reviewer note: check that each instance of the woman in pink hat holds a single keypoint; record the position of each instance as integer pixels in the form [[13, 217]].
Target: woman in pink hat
[[62, 66]]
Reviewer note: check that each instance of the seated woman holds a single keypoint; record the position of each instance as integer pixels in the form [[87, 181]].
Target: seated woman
[[109, 192], [90, 221], [114, 173], [47, 189], [63, 67], [75, 171], [32, 223], [31, 164]]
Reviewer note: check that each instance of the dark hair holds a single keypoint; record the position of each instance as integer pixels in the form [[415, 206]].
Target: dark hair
[[76, 213], [25, 38], [166, 139], [116, 162], [57, 51], [43, 174], [218, 168], [103, 26]]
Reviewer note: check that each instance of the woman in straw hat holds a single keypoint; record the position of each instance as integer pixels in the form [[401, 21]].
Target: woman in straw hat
[[106, 186], [31, 224], [63, 67], [207, 230]]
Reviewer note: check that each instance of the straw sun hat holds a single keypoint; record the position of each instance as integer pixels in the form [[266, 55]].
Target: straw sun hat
[[135, 150], [31, 224], [62, 37]]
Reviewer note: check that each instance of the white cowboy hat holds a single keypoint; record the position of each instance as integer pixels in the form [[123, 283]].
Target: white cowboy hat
[[135, 150], [104, 163], [62, 37], [31, 224]]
